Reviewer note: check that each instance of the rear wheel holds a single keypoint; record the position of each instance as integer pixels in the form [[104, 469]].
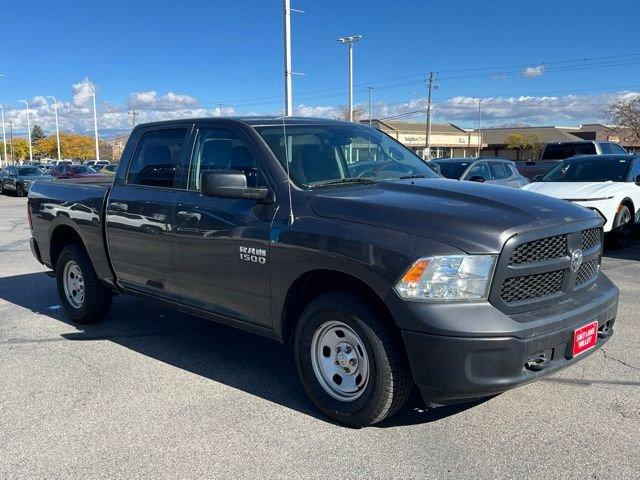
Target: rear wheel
[[350, 362], [81, 293], [622, 228]]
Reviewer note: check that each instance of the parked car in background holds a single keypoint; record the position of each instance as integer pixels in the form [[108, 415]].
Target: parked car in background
[[18, 179], [96, 163], [62, 162], [74, 171], [554, 153], [498, 171], [109, 170], [607, 184]]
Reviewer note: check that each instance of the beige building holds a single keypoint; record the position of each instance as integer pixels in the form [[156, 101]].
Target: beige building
[[447, 140]]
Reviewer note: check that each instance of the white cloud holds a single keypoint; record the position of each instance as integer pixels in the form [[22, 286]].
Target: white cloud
[[76, 115], [533, 72]]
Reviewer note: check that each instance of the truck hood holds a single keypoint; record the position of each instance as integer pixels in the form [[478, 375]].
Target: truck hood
[[578, 190], [470, 216]]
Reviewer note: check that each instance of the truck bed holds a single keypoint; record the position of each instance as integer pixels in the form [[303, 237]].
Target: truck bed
[[68, 207]]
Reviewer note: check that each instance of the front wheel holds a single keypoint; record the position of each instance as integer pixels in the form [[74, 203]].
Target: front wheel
[[19, 190], [620, 235], [350, 361], [83, 296]]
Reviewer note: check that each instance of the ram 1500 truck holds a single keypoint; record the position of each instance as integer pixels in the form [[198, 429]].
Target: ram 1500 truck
[[336, 240]]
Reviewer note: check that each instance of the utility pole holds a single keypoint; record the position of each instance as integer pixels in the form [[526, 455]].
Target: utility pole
[[220, 109], [370, 90], [479, 127], [431, 85], [134, 116]]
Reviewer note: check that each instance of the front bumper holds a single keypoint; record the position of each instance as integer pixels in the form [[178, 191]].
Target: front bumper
[[463, 365]]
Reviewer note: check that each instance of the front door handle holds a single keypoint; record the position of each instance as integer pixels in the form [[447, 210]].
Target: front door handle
[[118, 207]]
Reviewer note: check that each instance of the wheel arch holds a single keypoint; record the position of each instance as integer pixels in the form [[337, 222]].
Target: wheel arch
[[61, 236], [313, 283], [629, 203]]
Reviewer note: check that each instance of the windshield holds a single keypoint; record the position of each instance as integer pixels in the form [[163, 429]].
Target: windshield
[[341, 154], [590, 169], [26, 171], [451, 169], [560, 151]]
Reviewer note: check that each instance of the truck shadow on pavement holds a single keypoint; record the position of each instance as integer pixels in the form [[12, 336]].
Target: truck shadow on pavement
[[248, 362]]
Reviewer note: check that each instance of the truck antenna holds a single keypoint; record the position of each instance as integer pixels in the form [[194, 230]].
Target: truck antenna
[[287, 161]]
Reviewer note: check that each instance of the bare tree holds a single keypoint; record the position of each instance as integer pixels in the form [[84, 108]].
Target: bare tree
[[624, 113], [358, 113]]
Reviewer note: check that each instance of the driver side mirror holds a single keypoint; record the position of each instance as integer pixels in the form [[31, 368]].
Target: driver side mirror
[[477, 178], [637, 180], [231, 184]]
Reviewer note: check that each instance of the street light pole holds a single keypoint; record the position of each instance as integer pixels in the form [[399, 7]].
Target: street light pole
[[349, 41], [95, 118], [55, 109], [288, 100], [479, 127], [370, 90], [4, 138], [28, 130]]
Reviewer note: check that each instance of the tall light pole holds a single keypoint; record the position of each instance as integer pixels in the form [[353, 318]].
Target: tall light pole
[[349, 41], [370, 90], [431, 85], [55, 109], [28, 130], [4, 138], [92, 87], [479, 127], [288, 100]]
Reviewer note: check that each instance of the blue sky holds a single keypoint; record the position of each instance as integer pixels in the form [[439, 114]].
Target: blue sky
[[534, 62]]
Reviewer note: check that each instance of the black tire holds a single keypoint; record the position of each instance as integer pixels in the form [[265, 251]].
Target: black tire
[[622, 231], [97, 298], [2, 190], [19, 190], [389, 378]]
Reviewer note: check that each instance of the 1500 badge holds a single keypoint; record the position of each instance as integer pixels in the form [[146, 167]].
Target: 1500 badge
[[255, 255]]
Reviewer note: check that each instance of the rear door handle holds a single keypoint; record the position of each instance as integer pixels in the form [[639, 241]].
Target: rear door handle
[[118, 207]]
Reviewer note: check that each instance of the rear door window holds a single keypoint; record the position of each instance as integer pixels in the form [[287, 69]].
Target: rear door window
[[156, 159], [499, 170]]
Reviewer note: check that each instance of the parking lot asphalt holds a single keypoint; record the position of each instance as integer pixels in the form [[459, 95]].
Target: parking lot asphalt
[[153, 393]]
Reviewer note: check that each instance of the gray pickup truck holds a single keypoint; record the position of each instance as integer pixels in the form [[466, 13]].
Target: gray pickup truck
[[334, 239]]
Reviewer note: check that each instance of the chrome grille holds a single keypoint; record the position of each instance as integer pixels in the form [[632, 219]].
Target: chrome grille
[[587, 271], [538, 250], [517, 289], [590, 238]]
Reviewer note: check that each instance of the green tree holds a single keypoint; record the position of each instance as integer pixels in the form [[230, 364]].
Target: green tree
[[524, 142], [37, 133]]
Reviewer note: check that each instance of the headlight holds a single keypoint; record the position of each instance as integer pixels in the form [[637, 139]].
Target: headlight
[[450, 278]]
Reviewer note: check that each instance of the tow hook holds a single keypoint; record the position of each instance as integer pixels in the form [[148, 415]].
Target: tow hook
[[537, 363]]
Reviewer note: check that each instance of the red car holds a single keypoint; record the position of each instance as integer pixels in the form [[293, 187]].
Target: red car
[[74, 171]]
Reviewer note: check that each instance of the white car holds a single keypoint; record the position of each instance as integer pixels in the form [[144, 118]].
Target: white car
[[607, 184]]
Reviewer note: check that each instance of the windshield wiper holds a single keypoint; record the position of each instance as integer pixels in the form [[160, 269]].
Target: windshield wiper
[[343, 181], [413, 175]]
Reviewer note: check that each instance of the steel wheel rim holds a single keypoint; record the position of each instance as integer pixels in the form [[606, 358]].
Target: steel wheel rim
[[73, 283], [340, 362]]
